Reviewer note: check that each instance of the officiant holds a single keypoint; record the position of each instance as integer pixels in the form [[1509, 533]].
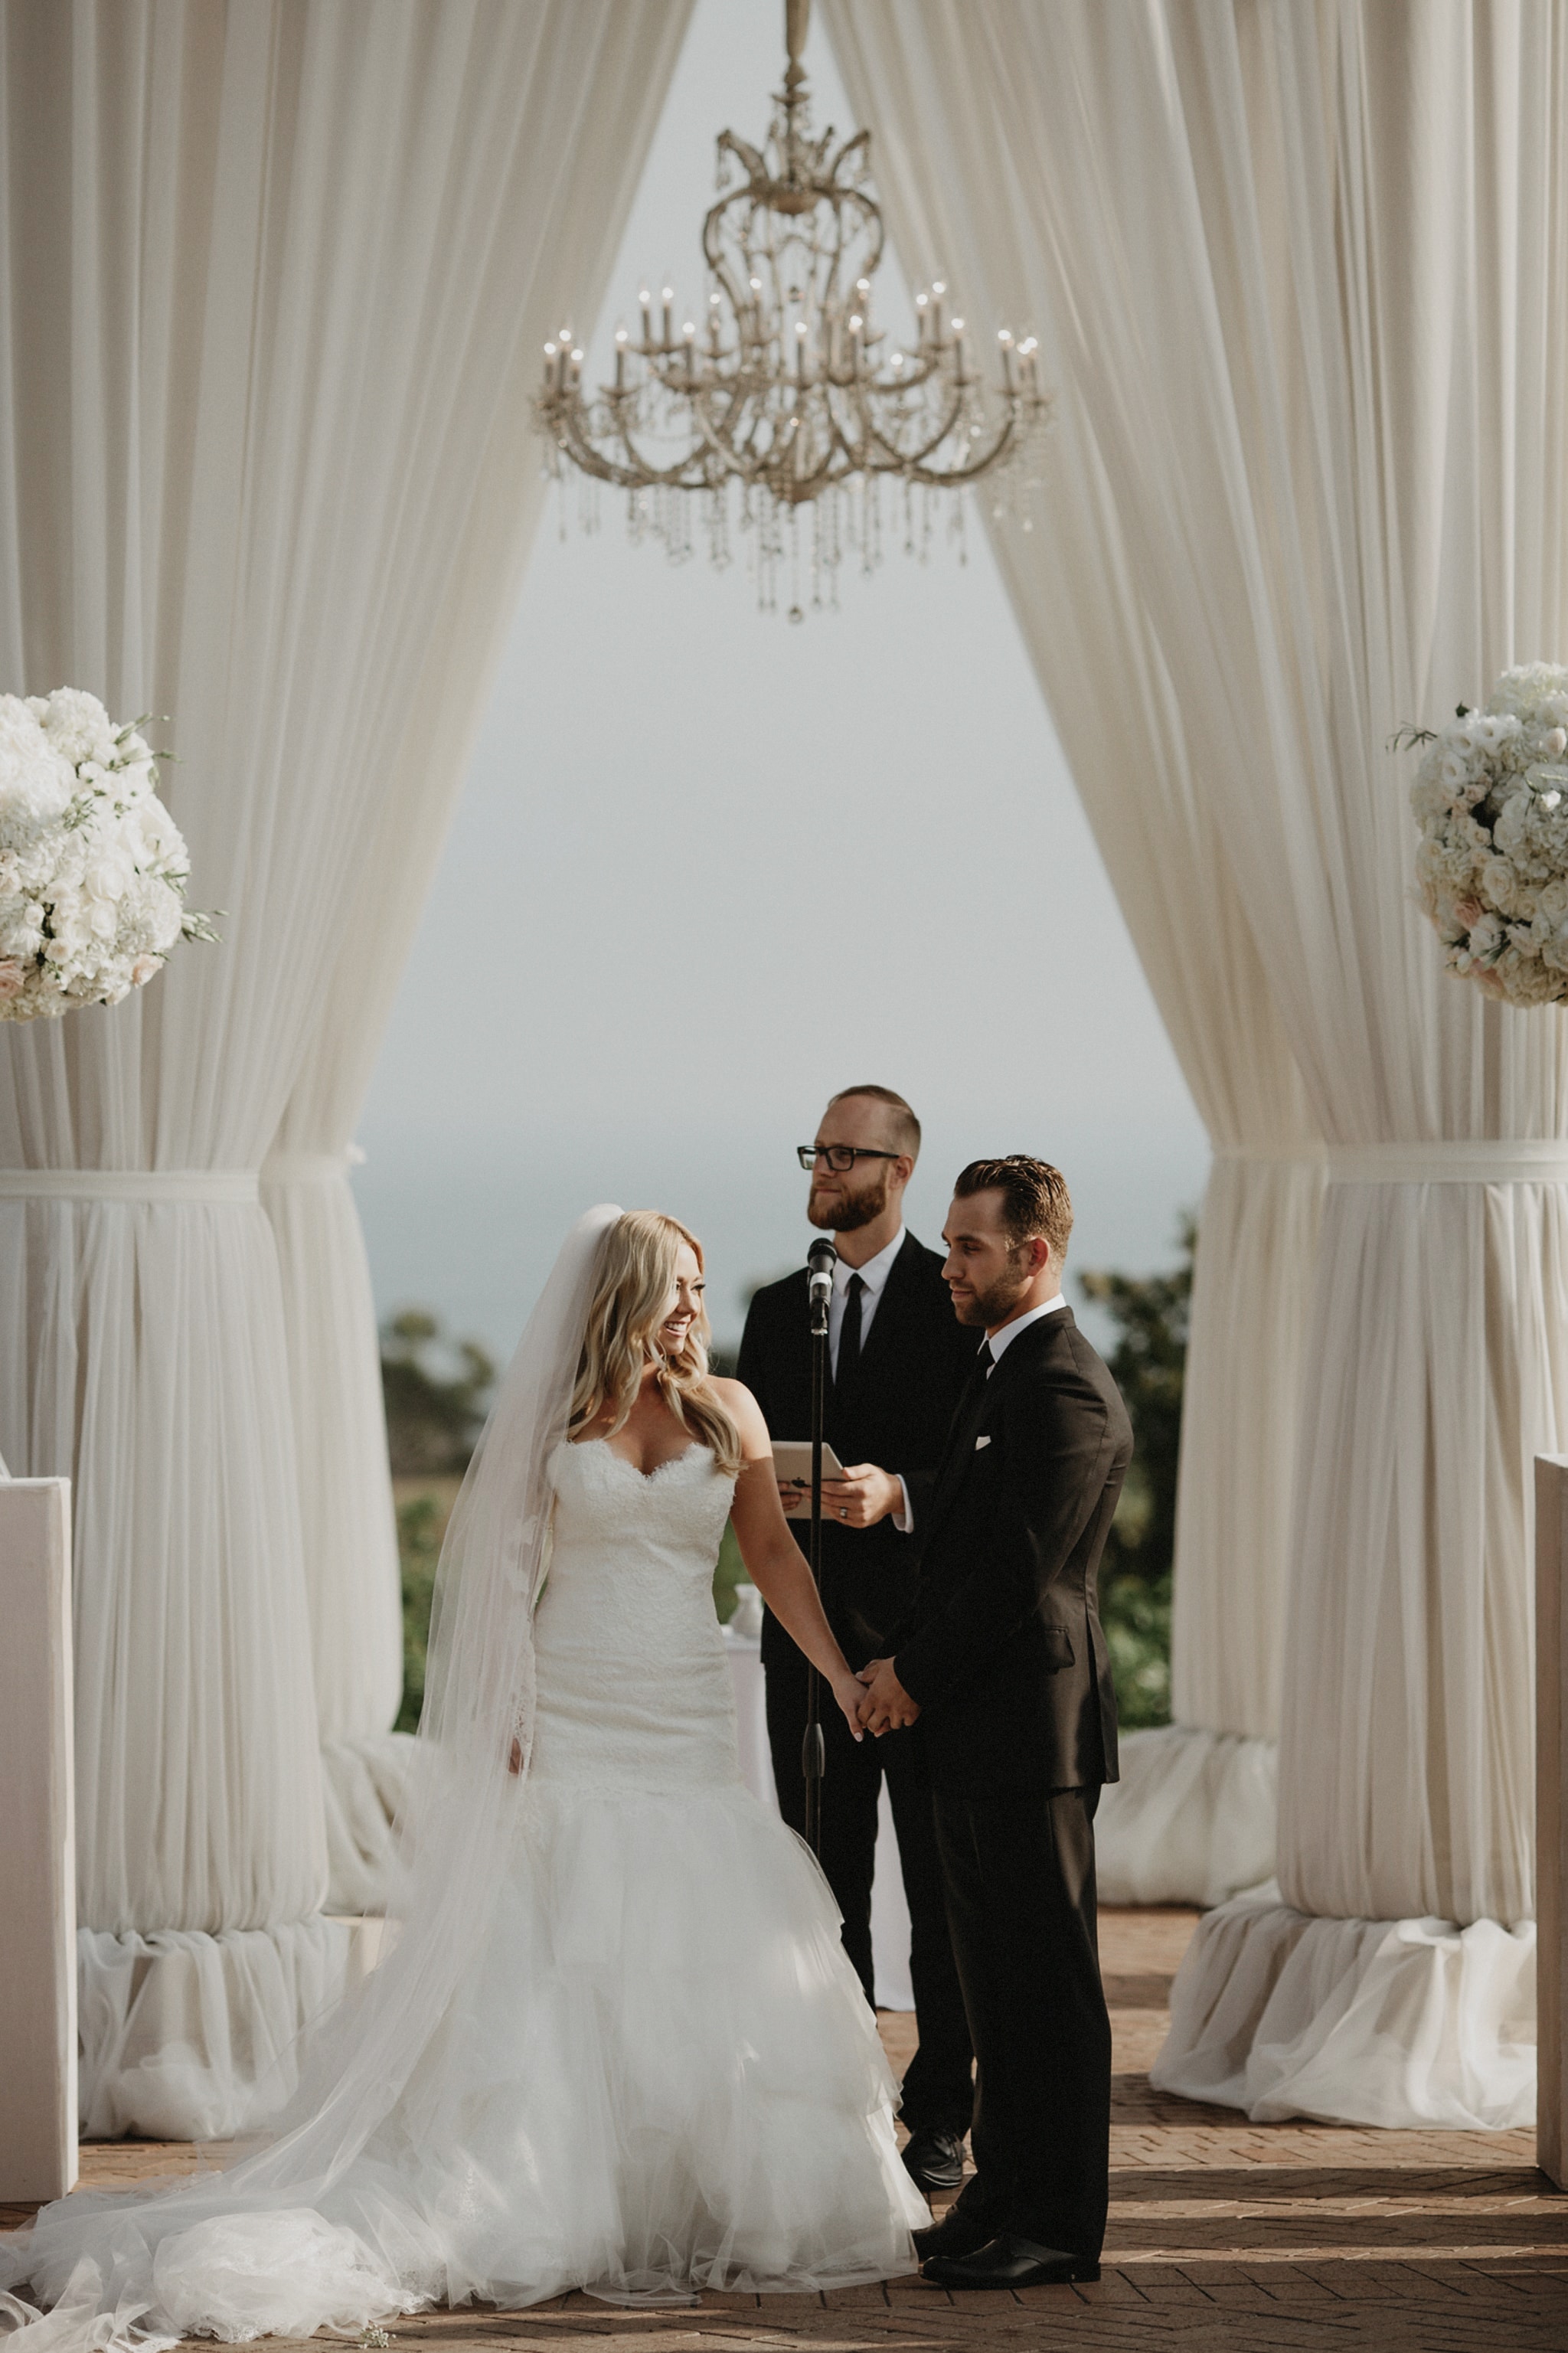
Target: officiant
[[897, 1360]]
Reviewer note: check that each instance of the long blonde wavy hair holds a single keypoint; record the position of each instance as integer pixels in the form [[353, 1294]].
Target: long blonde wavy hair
[[633, 1284]]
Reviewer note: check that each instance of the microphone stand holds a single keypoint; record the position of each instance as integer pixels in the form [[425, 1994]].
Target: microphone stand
[[814, 1748]]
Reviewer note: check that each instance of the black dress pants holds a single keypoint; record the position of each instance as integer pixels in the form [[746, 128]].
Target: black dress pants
[[939, 2092], [1019, 1871]]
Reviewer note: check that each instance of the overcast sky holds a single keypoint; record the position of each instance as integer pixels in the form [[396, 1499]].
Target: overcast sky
[[710, 867]]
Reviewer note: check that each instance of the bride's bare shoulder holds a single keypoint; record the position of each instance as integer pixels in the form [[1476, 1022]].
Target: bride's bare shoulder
[[739, 1404]]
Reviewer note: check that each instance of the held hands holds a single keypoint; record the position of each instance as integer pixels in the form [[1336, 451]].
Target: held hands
[[863, 1497], [846, 1691], [885, 1705]]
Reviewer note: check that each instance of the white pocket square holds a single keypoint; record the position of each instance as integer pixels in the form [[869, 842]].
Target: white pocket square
[[980, 1442]]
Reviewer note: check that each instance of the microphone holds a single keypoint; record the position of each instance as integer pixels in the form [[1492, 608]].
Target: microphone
[[820, 1259]]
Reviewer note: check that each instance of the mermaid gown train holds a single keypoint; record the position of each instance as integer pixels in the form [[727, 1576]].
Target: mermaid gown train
[[659, 2072]]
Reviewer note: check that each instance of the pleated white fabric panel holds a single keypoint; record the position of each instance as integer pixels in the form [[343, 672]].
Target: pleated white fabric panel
[[277, 276], [1309, 272], [574, 103], [1192, 1817], [1355, 2022], [347, 1529], [966, 187], [352, 1580]]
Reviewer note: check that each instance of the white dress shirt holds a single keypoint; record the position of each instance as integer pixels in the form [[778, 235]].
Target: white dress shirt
[[1004, 1338], [874, 1275], [998, 1342]]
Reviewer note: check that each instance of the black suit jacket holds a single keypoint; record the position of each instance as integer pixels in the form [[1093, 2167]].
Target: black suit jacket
[[894, 1410], [1003, 1648]]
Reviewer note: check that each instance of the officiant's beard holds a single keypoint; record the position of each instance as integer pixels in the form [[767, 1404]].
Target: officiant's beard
[[850, 1211]]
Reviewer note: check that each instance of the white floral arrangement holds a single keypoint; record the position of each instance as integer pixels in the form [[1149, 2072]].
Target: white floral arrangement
[[93, 868], [1492, 800]]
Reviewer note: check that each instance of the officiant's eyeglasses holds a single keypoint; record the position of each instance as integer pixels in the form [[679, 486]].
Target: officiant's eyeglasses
[[840, 1158]]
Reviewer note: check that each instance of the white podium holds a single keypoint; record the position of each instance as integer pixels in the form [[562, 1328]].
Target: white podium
[[1552, 1814], [37, 1847]]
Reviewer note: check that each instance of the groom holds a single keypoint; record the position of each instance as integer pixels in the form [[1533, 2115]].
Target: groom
[[1003, 1662]]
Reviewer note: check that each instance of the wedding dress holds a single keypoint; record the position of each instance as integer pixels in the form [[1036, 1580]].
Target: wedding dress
[[648, 2067]]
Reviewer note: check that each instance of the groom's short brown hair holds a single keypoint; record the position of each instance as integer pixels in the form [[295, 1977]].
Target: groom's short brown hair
[[1034, 1198]]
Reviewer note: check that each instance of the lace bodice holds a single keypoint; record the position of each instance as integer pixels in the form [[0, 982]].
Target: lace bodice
[[632, 1684], [616, 1528]]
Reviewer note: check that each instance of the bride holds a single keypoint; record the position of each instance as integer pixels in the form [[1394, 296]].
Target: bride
[[615, 2045]]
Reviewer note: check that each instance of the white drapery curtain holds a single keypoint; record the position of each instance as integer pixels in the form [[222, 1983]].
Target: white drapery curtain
[[1192, 1818], [586, 101], [347, 1529], [1308, 270], [277, 280]]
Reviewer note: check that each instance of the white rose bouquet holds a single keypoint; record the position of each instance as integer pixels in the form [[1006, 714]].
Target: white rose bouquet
[[1492, 800], [92, 867]]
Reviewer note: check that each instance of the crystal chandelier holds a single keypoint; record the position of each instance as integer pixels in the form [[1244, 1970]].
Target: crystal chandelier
[[783, 387]]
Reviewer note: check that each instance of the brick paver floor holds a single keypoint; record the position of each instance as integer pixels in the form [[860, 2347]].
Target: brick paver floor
[[1243, 2238]]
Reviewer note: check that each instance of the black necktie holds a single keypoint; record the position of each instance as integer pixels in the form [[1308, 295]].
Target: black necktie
[[965, 1417], [849, 1333]]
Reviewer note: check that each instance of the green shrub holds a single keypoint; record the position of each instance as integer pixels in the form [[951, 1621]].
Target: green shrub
[[729, 1572], [1149, 1363], [1137, 1621]]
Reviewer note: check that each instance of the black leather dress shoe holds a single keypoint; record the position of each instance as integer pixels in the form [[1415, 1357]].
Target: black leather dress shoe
[[957, 2234], [1008, 2261], [935, 2159]]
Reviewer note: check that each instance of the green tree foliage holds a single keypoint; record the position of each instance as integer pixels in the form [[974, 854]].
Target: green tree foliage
[[435, 1394], [434, 1410], [1148, 1361], [420, 1548], [729, 1571]]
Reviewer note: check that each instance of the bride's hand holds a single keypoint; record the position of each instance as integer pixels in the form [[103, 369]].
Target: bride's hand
[[849, 1692]]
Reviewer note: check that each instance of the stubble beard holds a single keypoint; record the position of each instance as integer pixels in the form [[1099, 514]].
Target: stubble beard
[[857, 1209], [988, 1308]]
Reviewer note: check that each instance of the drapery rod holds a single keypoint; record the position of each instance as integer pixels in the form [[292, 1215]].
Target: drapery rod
[[1466, 1160], [237, 1187], [1471, 1160], [231, 1185], [1282, 1156]]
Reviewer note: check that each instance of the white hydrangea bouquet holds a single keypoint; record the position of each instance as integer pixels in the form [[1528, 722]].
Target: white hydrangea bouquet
[[92, 867], [1492, 800]]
